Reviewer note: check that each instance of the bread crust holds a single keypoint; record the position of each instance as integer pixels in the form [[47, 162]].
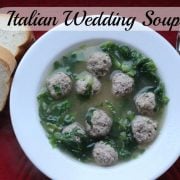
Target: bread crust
[[7, 59], [25, 44], [24, 47], [3, 101], [9, 63]]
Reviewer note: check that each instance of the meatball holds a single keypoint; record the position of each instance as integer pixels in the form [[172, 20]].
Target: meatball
[[99, 64], [104, 154], [74, 127], [145, 103], [87, 84], [122, 84], [144, 129], [59, 85], [98, 123]]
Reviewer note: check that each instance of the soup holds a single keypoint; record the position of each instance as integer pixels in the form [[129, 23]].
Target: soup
[[102, 103]]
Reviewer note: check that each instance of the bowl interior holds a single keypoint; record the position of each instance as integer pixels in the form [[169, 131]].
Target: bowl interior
[[56, 164]]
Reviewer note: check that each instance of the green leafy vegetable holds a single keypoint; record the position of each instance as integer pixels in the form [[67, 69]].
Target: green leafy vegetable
[[88, 90], [113, 50], [161, 98], [50, 127], [145, 67], [130, 61], [51, 110], [66, 63], [88, 80], [121, 132], [55, 115], [111, 108], [121, 57], [68, 141], [69, 60], [125, 52], [68, 119], [89, 115], [57, 89]]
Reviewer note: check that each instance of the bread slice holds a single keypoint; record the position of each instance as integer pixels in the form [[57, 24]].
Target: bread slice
[[17, 39], [4, 91], [7, 66]]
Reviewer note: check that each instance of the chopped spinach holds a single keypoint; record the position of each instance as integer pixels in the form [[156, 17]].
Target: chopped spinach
[[145, 67], [88, 92], [52, 111], [89, 115], [139, 66], [161, 97], [121, 132], [88, 80], [81, 149], [66, 63], [125, 52], [68, 119], [57, 89], [69, 60]]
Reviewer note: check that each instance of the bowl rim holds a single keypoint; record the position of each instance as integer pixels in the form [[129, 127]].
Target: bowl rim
[[14, 92]]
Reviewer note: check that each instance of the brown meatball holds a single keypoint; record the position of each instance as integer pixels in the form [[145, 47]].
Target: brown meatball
[[122, 84], [104, 154], [99, 125], [59, 85], [145, 103], [99, 64], [144, 129]]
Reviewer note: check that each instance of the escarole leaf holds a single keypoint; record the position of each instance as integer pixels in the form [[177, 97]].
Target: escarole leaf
[[146, 67], [120, 56], [130, 61], [68, 142], [66, 63], [57, 89], [121, 133], [89, 115], [161, 98], [52, 111], [112, 50], [88, 90], [110, 107], [69, 59], [89, 81]]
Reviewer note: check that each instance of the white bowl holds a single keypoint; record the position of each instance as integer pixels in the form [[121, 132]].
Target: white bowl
[[54, 163]]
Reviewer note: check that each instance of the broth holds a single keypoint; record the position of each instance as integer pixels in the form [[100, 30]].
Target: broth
[[103, 100]]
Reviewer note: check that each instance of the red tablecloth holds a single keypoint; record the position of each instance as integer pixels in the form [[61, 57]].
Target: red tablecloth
[[13, 162]]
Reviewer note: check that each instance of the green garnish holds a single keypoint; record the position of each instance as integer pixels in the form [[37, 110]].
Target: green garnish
[[89, 115], [57, 89]]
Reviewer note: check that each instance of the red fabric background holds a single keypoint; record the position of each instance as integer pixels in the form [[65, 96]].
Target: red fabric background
[[13, 162]]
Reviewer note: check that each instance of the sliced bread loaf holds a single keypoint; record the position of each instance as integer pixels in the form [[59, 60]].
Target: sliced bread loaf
[[17, 39], [7, 66], [4, 91]]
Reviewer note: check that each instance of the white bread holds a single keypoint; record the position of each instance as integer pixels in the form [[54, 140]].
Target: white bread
[[7, 66], [17, 39], [4, 91]]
